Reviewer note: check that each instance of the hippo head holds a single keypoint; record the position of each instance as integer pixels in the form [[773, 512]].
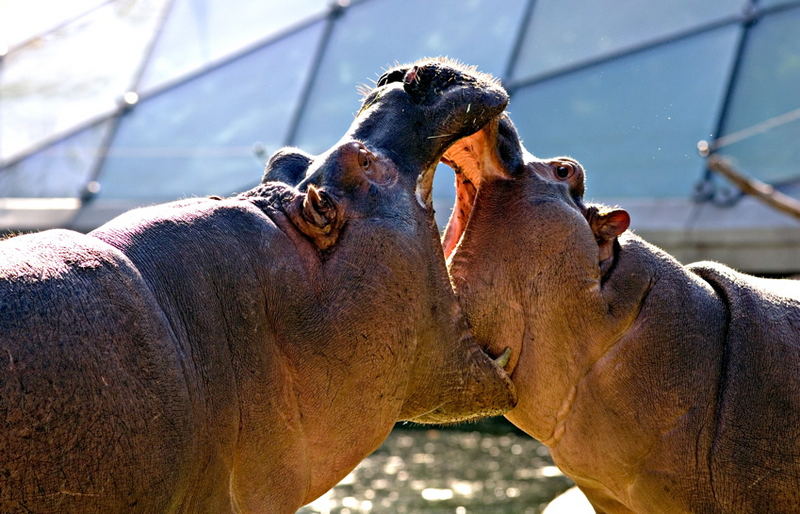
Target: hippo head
[[364, 208], [528, 260]]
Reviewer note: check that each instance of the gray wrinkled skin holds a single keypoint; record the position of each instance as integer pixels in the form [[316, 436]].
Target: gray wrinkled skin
[[243, 354]]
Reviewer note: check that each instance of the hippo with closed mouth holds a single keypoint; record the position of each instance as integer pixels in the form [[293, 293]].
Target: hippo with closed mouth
[[244, 354], [658, 387]]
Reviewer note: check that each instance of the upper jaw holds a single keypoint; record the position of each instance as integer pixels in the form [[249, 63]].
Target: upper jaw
[[418, 110]]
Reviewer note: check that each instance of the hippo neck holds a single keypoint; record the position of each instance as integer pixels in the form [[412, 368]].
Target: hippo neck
[[652, 391], [219, 271]]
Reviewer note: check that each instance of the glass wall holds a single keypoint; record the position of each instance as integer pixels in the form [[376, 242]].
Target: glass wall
[[766, 93], [198, 137], [625, 120], [562, 33], [627, 90], [60, 80]]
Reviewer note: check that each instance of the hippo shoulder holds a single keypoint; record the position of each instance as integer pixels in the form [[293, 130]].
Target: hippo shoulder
[[58, 270], [185, 216], [723, 278], [57, 254], [242, 225], [758, 407]]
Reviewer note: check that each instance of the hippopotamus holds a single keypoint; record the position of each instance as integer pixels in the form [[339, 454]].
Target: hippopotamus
[[243, 354], [657, 386]]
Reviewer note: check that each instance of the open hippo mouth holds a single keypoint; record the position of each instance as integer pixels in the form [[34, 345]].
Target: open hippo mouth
[[484, 156], [495, 153], [434, 103]]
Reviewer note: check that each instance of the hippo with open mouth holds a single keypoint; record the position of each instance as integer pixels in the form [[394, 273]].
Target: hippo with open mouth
[[657, 387], [244, 354]]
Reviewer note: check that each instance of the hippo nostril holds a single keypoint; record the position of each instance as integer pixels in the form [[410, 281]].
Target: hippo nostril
[[411, 75], [364, 158]]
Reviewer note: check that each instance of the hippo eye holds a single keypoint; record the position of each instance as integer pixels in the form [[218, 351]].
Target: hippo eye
[[563, 171], [364, 159]]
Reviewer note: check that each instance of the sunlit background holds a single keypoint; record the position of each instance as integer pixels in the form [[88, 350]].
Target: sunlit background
[[107, 105]]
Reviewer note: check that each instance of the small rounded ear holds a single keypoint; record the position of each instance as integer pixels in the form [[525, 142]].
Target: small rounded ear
[[287, 165], [318, 215], [609, 225], [606, 227]]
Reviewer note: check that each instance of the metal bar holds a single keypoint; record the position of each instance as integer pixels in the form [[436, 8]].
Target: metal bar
[[48, 142], [54, 140], [336, 11], [522, 32], [753, 130], [595, 61], [760, 190], [751, 14], [111, 132], [236, 55]]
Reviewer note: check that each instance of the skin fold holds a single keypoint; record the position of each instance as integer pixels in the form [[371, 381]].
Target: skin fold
[[657, 387], [244, 354]]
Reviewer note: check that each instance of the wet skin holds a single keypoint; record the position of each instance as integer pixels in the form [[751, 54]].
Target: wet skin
[[244, 354]]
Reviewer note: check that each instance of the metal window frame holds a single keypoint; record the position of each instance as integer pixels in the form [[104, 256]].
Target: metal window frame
[[750, 15], [707, 189]]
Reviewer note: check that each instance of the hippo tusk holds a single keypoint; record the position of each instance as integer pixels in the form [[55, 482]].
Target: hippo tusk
[[425, 187], [504, 357]]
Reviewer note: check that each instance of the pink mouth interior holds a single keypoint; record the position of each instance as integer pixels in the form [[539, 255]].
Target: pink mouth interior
[[474, 161], [465, 199]]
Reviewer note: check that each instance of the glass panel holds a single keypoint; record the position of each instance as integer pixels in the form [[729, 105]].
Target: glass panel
[[591, 29], [60, 170], [374, 35], [768, 83], [198, 138], [633, 122], [771, 3], [23, 19], [73, 74], [201, 31]]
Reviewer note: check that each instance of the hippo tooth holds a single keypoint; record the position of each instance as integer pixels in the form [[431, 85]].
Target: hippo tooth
[[504, 357], [425, 187]]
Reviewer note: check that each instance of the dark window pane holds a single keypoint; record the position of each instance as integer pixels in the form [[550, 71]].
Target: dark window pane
[[563, 32], [768, 86], [634, 122], [60, 170], [198, 138], [200, 31], [373, 35], [75, 73]]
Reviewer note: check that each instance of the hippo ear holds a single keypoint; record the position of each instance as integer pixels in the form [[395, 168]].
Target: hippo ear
[[606, 227], [317, 215], [287, 165]]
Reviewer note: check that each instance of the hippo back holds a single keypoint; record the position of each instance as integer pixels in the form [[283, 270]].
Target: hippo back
[[88, 369], [755, 453]]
